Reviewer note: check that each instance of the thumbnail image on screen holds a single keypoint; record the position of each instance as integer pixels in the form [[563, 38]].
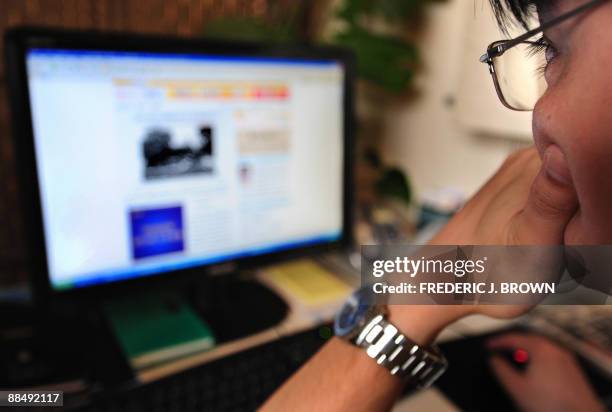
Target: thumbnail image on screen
[[165, 159]]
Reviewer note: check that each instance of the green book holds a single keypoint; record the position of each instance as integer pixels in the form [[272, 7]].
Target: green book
[[155, 329]]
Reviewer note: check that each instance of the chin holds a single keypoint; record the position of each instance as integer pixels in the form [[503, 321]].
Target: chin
[[579, 232]]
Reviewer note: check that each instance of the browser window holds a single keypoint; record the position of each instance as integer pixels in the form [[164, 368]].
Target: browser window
[[182, 159]]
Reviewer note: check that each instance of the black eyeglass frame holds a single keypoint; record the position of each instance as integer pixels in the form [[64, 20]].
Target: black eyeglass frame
[[499, 47]]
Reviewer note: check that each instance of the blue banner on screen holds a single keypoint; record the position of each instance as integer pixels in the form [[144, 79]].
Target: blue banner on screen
[[156, 231]]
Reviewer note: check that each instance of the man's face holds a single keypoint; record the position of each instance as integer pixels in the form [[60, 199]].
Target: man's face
[[573, 120]]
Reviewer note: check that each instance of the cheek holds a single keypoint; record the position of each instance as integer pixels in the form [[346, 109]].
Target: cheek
[[591, 142], [576, 114]]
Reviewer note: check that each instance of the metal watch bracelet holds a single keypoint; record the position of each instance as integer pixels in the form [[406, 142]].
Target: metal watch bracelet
[[402, 357]]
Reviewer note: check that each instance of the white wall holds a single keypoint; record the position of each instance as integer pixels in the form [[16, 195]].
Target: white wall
[[442, 145]]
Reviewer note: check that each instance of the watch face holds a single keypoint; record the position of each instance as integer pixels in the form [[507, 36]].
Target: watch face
[[352, 313]]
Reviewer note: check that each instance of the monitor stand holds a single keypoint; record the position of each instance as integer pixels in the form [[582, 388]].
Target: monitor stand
[[236, 306]]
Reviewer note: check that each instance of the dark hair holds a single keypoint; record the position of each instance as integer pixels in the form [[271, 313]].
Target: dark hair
[[511, 12]]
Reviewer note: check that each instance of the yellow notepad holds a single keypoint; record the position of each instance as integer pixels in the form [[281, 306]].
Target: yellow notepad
[[307, 281]]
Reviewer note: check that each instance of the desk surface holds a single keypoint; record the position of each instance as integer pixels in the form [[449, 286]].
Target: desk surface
[[302, 317]]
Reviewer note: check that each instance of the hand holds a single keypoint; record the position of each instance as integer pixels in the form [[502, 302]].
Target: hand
[[520, 205], [552, 381]]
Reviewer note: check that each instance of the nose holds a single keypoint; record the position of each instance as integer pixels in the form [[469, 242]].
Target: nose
[[540, 124]]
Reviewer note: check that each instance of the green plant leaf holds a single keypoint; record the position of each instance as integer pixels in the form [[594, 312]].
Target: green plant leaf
[[245, 28], [394, 184], [392, 10], [352, 9], [395, 10], [384, 60]]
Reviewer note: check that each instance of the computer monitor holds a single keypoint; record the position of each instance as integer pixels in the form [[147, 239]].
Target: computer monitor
[[141, 157]]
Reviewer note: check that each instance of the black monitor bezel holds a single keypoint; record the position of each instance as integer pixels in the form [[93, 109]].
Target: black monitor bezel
[[19, 40]]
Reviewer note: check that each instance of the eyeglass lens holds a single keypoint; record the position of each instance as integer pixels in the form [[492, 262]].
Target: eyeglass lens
[[520, 76]]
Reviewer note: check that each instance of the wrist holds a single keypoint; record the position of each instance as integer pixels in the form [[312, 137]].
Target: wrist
[[423, 323]]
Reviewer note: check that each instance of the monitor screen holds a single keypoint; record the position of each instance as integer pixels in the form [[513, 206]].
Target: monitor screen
[[154, 162]]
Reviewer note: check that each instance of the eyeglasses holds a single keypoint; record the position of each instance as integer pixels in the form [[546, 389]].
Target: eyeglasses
[[517, 65]]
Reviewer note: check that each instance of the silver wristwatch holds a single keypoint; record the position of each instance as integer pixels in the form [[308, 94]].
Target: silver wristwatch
[[366, 326]]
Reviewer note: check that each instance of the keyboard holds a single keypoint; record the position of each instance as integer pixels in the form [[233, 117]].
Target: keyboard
[[587, 330], [591, 324], [241, 382]]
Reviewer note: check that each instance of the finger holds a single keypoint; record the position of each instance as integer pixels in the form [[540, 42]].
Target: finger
[[513, 168], [551, 204], [511, 379]]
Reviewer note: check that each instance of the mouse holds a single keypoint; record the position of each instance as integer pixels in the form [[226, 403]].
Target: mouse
[[518, 358]]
